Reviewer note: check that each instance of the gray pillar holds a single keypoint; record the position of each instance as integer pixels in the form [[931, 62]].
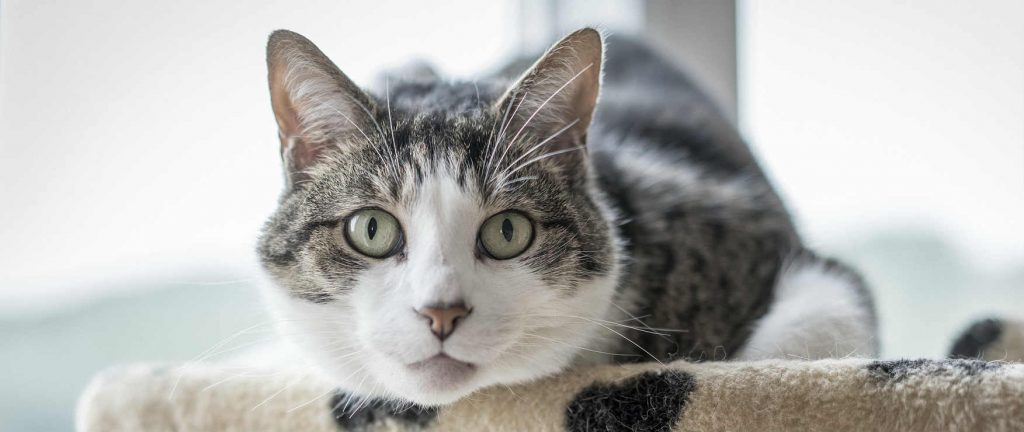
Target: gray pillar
[[700, 34]]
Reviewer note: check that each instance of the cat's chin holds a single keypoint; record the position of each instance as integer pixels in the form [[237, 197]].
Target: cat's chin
[[439, 380], [442, 373]]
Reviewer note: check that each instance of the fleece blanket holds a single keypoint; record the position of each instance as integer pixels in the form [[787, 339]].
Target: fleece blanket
[[982, 389]]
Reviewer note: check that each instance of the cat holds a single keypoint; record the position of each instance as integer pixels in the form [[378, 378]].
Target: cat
[[435, 237]]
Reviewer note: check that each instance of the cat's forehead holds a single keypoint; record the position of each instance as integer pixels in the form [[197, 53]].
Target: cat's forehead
[[435, 131], [440, 95], [429, 159], [437, 124], [411, 146]]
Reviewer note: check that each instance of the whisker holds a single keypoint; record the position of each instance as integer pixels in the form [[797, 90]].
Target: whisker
[[268, 399], [651, 330], [632, 342], [245, 373], [501, 132], [543, 104], [545, 141], [578, 347], [216, 346], [477, 89], [232, 349], [387, 95], [310, 401], [390, 166], [545, 156]]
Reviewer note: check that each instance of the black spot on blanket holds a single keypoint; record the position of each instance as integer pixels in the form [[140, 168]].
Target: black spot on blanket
[[354, 414], [976, 339], [897, 370], [648, 402]]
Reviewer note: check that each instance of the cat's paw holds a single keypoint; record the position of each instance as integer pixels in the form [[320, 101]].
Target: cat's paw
[[821, 309], [355, 413]]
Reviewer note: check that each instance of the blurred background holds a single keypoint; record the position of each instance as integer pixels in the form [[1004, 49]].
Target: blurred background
[[139, 158]]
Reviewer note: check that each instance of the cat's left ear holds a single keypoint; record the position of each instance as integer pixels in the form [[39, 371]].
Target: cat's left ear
[[555, 99]]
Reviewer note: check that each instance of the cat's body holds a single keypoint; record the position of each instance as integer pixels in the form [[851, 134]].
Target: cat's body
[[705, 233], [662, 239]]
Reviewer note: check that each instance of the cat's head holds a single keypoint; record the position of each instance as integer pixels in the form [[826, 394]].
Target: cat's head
[[438, 237]]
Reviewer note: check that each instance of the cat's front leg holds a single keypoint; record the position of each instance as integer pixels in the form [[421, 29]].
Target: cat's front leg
[[355, 413], [821, 309]]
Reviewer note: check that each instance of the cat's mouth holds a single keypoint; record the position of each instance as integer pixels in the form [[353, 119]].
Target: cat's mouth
[[442, 372]]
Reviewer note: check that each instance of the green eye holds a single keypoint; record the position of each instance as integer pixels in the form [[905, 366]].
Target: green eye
[[506, 235], [373, 232]]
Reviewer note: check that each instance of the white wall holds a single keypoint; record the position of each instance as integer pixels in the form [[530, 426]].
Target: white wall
[[880, 113]]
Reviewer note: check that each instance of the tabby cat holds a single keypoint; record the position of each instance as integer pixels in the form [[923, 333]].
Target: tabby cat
[[438, 236]]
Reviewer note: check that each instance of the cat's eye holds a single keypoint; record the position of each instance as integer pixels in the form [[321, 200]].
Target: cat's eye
[[373, 232], [506, 235]]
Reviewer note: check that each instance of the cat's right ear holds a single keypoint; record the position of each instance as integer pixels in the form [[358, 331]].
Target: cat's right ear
[[316, 106]]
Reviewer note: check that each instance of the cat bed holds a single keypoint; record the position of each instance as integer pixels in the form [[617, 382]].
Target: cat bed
[[835, 395]]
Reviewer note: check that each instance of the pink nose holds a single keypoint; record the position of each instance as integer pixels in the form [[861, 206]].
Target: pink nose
[[444, 318]]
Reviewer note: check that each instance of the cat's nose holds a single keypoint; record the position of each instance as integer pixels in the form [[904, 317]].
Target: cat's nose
[[444, 318]]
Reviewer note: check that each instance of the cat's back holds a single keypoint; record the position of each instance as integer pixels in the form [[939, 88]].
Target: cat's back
[[646, 97], [660, 140], [705, 232]]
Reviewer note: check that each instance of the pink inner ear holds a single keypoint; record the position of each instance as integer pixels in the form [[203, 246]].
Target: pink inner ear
[[298, 155], [284, 111], [293, 156]]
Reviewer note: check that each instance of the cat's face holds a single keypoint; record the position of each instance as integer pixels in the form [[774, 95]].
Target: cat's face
[[430, 248]]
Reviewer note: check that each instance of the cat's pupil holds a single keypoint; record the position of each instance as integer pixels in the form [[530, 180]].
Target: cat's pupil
[[371, 228], [506, 230]]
